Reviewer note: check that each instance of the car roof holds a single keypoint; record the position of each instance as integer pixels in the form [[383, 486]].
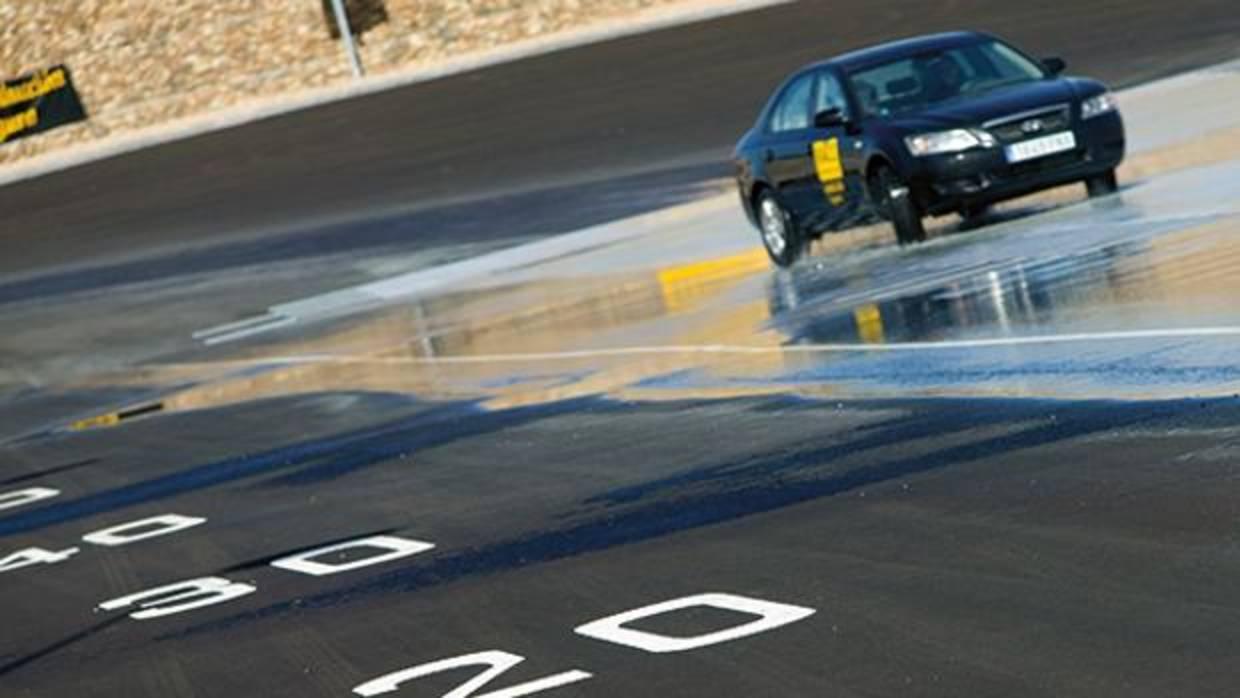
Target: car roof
[[895, 50]]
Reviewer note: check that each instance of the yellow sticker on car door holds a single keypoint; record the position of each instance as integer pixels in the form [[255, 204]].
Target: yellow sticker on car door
[[830, 170], [827, 160]]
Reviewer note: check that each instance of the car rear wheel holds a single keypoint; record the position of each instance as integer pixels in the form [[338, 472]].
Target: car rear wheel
[[783, 240], [895, 199], [1104, 184]]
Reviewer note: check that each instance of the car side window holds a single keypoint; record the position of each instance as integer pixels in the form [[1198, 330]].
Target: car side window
[[792, 111], [830, 94]]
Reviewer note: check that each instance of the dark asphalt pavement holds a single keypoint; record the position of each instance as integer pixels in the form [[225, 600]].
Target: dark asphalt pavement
[[948, 547], [672, 101], [1040, 542]]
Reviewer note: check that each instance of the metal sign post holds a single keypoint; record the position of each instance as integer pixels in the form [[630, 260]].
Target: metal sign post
[[346, 35]]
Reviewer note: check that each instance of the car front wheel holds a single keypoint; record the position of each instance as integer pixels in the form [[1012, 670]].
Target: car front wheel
[[1104, 184], [782, 238], [895, 199]]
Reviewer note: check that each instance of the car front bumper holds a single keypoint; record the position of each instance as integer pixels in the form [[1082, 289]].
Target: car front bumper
[[947, 183]]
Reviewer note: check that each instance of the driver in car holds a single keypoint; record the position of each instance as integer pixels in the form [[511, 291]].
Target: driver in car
[[867, 95], [945, 78]]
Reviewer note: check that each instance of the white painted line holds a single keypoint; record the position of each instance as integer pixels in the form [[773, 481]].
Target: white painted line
[[248, 112], [742, 350], [275, 323], [234, 326]]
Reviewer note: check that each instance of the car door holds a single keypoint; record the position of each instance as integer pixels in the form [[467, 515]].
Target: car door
[[838, 154], [786, 150]]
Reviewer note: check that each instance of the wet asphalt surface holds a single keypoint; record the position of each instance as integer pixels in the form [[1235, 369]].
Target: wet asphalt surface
[[1026, 518], [981, 547], [1001, 463]]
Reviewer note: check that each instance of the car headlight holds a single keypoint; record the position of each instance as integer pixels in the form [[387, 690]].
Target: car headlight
[[1099, 105], [952, 141]]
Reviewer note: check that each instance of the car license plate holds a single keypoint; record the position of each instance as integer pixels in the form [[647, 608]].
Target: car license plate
[[1039, 147]]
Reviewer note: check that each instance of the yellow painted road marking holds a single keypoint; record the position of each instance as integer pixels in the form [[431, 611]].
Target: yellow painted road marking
[[104, 420], [111, 419], [682, 284]]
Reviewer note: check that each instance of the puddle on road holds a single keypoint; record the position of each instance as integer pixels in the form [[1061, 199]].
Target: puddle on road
[[732, 326], [1163, 255]]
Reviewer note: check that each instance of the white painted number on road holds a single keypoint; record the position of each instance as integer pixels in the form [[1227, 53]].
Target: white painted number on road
[[394, 547], [134, 531], [179, 597], [771, 615], [18, 498], [35, 556], [108, 537], [497, 663]]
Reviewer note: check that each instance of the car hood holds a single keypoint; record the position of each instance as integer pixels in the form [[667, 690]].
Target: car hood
[[992, 105]]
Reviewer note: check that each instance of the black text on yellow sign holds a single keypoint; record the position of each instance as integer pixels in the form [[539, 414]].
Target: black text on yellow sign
[[37, 102]]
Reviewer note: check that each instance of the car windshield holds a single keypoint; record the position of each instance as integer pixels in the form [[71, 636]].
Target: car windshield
[[935, 77]]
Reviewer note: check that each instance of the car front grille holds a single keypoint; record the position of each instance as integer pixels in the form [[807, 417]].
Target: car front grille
[[1014, 129]]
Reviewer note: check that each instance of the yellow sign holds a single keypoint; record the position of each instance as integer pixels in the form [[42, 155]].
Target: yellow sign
[[37, 86], [37, 102]]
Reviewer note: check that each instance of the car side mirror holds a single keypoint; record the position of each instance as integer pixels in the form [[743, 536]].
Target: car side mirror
[[830, 118], [1054, 66]]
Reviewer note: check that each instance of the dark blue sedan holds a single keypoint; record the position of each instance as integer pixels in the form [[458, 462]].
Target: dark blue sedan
[[949, 123]]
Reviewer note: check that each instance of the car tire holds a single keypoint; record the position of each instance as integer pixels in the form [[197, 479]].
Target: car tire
[[896, 201], [1104, 184], [783, 239]]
